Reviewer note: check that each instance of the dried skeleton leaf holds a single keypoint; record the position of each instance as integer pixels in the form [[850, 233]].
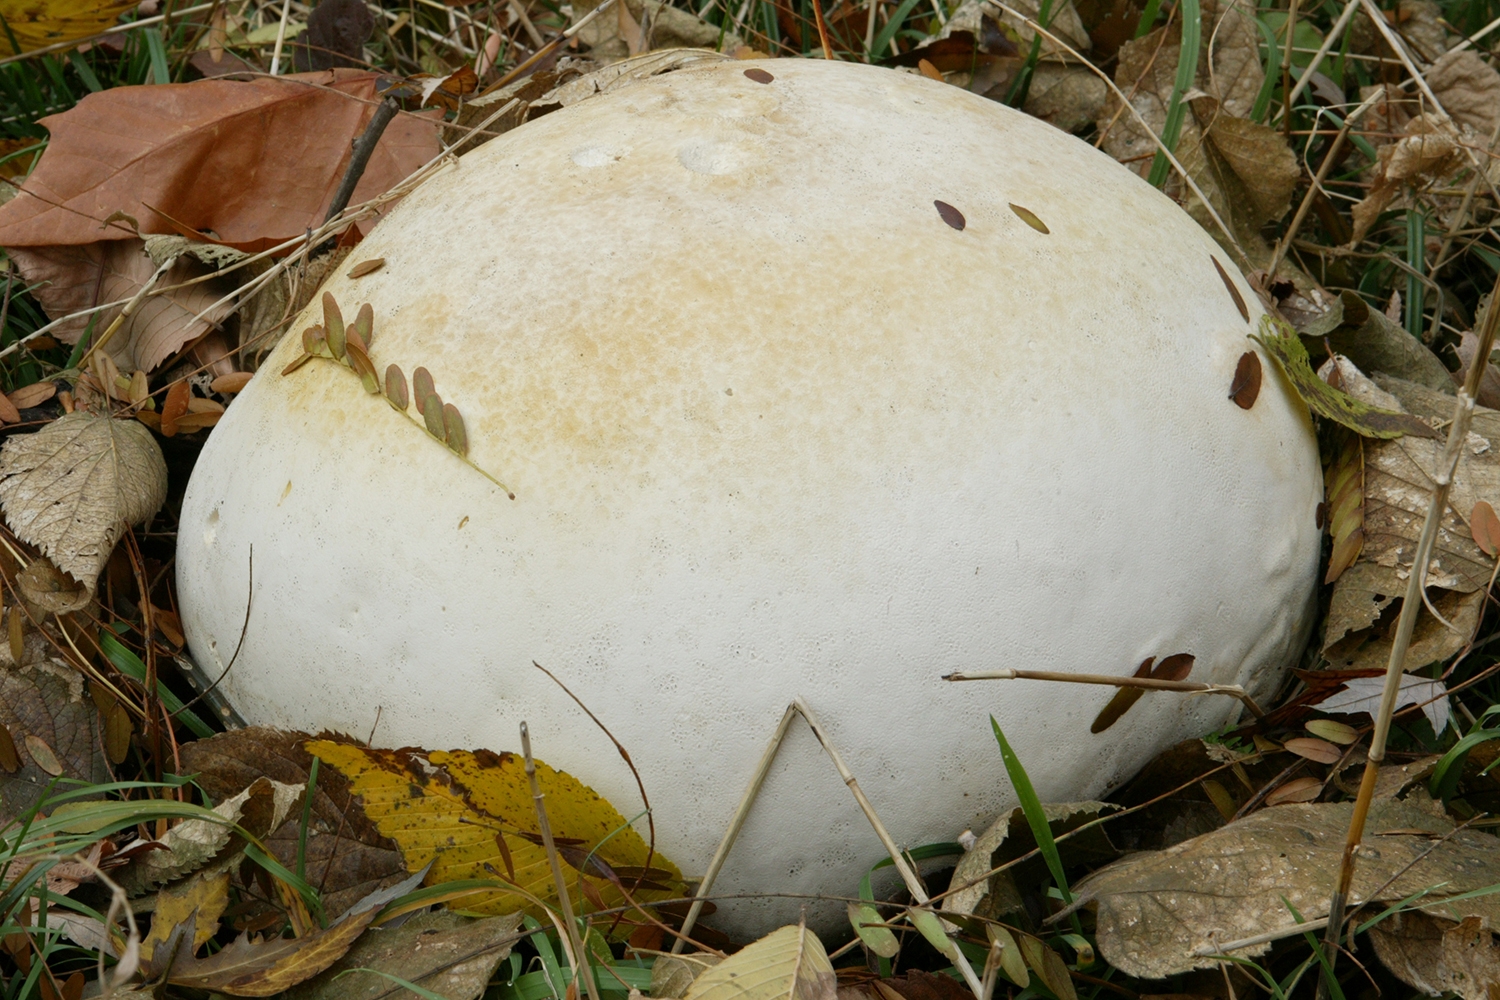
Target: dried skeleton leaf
[[950, 215], [1246, 384]]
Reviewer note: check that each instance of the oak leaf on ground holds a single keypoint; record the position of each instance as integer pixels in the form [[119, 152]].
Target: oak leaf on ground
[[253, 162]]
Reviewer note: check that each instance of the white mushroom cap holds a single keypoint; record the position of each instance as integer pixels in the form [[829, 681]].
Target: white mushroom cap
[[775, 428]]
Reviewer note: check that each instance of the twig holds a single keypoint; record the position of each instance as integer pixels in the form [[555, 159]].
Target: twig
[[1317, 182], [582, 966], [741, 813], [1290, 24], [286, 10], [364, 146], [548, 49], [817, 6], [1151, 683], [1458, 430], [1328, 43]]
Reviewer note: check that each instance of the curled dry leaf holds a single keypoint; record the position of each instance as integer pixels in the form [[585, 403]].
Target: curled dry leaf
[[49, 590], [144, 149], [72, 487], [1430, 149], [80, 277], [787, 964], [1469, 89], [1165, 912]]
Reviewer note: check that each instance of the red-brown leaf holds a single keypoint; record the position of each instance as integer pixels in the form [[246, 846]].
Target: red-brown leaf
[[1246, 384]]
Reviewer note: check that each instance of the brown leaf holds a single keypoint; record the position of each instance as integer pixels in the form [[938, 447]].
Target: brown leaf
[[32, 395], [1428, 151], [758, 75], [1246, 384], [1439, 956], [175, 406], [1316, 750], [1484, 526], [8, 412], [421, 388], [81, 276], [42, 705], [950, 215], [336, 34], [1344, 483], [365, 267], [346, 855], [1469, 89], [1156, 909], [1234, 293], [230, 384], [1122, 701], [285, 140], [265, 968]]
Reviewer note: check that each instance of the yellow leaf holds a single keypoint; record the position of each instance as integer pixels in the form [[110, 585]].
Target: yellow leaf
[[37, 23], [452, 808], [787, 964], [205, 895]]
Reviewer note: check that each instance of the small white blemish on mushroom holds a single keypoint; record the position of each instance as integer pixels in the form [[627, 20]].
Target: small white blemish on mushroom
[[595, 156]]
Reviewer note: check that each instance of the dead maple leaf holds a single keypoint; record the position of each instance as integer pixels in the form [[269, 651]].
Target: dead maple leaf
[[1165, 912], [45, 715], [471, 815], [73, 278], [72, 487], [253, 162], [345, 856], [38, 23]]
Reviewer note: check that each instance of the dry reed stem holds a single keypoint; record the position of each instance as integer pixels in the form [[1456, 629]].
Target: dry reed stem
[[1150, 683]]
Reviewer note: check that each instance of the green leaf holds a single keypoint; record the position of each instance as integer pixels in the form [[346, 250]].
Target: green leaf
[[1283, 344], [1187, 74], [932, 929], [130, 665], [870, 926], [1036, 817], [1011, 962]]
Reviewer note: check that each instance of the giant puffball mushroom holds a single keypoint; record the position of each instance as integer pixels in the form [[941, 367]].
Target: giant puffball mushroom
[[809, 379]]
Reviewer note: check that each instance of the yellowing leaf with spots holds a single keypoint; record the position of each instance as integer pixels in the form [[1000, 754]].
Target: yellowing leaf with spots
[[471, 814], [36, 23]]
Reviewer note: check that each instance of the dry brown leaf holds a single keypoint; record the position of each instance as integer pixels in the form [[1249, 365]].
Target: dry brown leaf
[[43, 701], [78, 277], [1367, 597], [1469, 89], [32, 395], [72, 487], [1428, 151], [1420, 23], [230, 384], [150, 150], [1314, 749], [47, 589], [1440, 956], [266, 968], [1296, 790], [345, 854], [448, 954], [1157, 909], [1068, 97]]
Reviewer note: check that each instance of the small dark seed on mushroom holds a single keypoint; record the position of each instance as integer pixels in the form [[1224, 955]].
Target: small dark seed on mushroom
[[1246, 384], [1234, 293], [950, 215], [758, 75]]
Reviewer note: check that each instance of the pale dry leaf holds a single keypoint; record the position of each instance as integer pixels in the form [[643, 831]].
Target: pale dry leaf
[[1469, 89], [164, 247], [47, 589], [1165, 912], [75, 278], [249, 968], [1428, 151], [788, 963], [202, 898], [672, 975], [1440, 956], [1259, 157], [977, 891], [1296, 790], [72, 487], [1420, 23], [1362, 694], [1067, 97], [450, 955]]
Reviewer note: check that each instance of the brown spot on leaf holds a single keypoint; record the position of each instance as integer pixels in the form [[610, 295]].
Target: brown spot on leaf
[[758, 75], [1234, 293], [1246, 385], [1029, 217], [950, 215]]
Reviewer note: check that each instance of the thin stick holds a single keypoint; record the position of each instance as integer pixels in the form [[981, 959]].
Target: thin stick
[[913, 884], [1317, 183], [817, 6], [549, 48], [525, 19], [359, 158], [130, 307], [1151, 683], [1322, 53], [1286, 68], [1458, 430], [286, 10], [582, 967], [741, 813]]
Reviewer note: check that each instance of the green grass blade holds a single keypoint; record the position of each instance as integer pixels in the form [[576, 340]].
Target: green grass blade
[[1187, 74], [307, 801], [1148, 18], [160, 70], [131, 666], [883, 39], [1036, 817]]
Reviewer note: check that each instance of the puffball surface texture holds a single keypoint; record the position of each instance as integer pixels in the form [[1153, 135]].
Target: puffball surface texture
[[775, 428]]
